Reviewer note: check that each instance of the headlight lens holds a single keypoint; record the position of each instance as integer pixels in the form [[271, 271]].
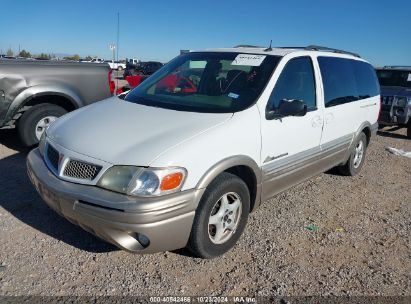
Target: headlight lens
[[402, 101], [139, 181], [42, 143]]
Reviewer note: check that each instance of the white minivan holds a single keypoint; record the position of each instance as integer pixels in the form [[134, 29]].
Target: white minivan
[[189, 153]]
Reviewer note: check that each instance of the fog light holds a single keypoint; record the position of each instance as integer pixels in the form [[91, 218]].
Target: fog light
[[143, 240], [400, 112]]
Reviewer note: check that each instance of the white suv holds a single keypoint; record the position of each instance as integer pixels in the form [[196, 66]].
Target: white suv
[[189, 153]]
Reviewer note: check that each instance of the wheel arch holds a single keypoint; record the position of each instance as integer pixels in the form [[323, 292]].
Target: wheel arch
[[58, 95], [365, 128], [242, 166]]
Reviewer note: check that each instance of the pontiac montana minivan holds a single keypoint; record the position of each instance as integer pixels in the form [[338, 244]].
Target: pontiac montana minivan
[[184, 159]]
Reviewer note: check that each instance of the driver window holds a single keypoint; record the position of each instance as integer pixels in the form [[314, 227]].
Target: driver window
[[296, 81]]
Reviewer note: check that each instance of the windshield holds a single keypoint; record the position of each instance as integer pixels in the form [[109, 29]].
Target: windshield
[[207, 82], [396, 78]]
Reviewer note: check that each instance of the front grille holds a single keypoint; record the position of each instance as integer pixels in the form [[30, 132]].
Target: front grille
[[53, 157], [386, 103], [387, 100], [81, 170]]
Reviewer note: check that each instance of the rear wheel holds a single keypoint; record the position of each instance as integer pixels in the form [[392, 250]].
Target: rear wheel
[[355, 162], [220, 217], [35, 120]]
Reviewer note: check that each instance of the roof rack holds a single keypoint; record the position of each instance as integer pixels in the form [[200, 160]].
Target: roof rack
[[397, 67], [327, 49], [247, 46], [310, 48]]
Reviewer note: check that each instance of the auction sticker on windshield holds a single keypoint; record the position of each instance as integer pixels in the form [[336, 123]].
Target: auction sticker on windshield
[[248, 59], [409, 77]]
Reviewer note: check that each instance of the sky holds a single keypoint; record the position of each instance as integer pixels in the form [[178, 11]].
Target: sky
[[379, 30]]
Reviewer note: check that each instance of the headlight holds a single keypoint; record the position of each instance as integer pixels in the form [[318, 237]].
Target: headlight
[[139, 181], [402, 102], [409, 100], [42, 143]]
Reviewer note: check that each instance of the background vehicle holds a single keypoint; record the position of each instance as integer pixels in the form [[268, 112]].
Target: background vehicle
[[395, 82], [193, 149], [144, 68], [7, 57], [35, 93], [97, 60], [116, 65]]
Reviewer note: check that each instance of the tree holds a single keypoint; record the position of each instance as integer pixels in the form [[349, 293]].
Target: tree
[[75, 57], [44, 56], [10, 52], [24, 54]]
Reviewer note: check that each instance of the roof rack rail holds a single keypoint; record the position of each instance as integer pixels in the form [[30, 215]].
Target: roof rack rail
[[327, 49], [397, 67], [247, 46]]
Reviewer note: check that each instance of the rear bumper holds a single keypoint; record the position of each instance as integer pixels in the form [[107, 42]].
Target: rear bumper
[[165, 221]]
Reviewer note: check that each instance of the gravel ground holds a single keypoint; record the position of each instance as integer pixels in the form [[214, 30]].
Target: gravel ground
[[362, 245]]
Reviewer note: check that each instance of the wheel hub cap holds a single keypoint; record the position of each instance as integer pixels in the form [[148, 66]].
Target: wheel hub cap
[[224, 218], [359, 153]]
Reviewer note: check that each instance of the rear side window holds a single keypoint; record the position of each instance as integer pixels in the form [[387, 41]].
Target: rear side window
[[366, 78], [295, 82], [347, 80]]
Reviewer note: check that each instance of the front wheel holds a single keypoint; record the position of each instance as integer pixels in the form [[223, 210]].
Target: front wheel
[[220, 217], [35, 121]]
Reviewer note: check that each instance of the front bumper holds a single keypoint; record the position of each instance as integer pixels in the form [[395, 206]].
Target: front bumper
[[119, 219], [394, 115]]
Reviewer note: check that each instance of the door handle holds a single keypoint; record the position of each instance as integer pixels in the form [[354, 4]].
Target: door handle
[[316, 121], [329, 117]]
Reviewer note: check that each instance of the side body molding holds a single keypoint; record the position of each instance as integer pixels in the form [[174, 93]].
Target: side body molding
[[237, 160]]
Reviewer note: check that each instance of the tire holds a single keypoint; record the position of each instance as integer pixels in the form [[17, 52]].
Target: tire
[[204, 241], [409, 129], [353, 165], [30, 123]]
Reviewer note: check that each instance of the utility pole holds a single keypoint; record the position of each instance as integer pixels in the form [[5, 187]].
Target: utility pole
[[112, 47], [118, 30]]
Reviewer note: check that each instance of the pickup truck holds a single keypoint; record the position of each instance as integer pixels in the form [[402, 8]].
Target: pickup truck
[[116, 65], [35, 93], [395, 82]]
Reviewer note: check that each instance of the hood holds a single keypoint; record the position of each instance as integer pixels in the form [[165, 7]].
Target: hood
[[124, 133], [397, 91]]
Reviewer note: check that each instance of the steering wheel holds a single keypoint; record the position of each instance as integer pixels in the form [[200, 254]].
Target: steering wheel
[[190, 87]]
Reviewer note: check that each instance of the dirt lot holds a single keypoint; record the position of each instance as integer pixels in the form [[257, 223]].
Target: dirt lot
[[362, 245]]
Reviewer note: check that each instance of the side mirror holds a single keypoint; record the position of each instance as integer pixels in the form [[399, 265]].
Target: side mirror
[[288, 107]]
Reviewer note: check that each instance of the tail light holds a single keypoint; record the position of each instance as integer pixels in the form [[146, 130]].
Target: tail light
[[111, 83]]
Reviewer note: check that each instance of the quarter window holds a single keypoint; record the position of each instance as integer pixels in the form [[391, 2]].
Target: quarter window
[[295, 82]]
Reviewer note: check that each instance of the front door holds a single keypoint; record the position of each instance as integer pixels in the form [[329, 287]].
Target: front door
[[290, 144]]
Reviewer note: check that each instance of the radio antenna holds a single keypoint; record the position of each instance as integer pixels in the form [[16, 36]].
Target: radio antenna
[[269, 48]]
